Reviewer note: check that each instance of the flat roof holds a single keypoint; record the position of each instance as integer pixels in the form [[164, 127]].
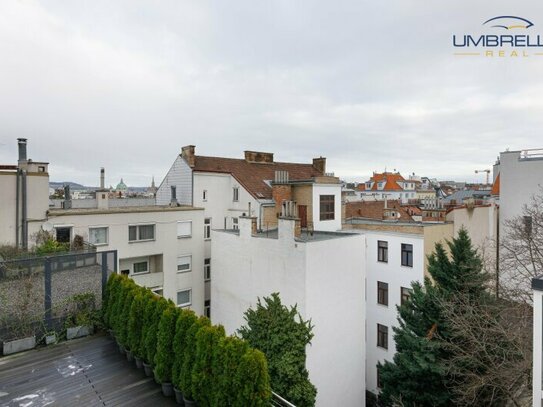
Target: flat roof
[[87, 372], [128, 209], [304, 237], [362, 221]]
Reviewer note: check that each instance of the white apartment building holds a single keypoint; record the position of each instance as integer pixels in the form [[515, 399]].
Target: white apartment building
[[517, 176], [395, 252], [537, 376], [228, 188], [160, 247], [388, 185], [322, 273]]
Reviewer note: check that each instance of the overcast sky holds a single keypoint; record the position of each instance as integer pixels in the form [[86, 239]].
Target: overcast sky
[[368, 84]]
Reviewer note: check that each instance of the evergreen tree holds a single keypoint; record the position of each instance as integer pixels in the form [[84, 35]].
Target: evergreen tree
[[184, 321], [417, 376], [282, 335]]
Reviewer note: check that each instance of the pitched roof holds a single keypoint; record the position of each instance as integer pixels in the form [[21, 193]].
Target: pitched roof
[[374, 210], [252, 175], [496, 186], [391, 179]]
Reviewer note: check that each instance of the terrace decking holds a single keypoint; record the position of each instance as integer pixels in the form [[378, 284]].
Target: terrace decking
[[82, 372]]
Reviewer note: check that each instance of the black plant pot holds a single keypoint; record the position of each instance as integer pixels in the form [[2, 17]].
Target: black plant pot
[[178, 396], [167, 389], [139, 362], [122, 350], [148, 369], [189, 403], [129, 356]]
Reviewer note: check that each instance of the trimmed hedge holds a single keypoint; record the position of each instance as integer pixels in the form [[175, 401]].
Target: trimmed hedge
[[187, 350]]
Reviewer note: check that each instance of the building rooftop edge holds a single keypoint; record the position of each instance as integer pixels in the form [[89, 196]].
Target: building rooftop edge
[[133, 209]]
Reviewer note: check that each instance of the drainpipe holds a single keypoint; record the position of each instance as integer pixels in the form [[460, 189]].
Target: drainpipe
[[24, 238], [17, 193]]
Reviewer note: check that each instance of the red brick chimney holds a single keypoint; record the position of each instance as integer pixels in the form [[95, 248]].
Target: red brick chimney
[[187, 153], [258, 157], [320, 164]]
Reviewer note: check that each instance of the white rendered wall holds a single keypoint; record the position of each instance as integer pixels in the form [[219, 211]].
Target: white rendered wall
[[396, 276], [325, 279], [326, 189], [537, 351], [166, 244], [335, 302], [519, 180]]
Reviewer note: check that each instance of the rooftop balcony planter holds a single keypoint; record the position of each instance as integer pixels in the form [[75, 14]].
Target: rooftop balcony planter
[[51, 338], [139, 362], [148, 369], [178, 396], [19, 345], [79, 331]]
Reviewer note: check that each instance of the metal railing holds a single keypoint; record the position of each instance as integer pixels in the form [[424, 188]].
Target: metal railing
[[278, 401]]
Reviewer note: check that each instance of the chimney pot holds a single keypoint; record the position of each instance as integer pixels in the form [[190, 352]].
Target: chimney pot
[[22, 149]]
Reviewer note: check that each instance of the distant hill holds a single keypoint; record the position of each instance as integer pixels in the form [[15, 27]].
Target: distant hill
[[73, 185]]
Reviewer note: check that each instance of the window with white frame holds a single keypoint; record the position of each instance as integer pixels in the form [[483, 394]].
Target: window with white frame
[[138, 233], [140, 267], [184, 298], [98, 236], [207, 308], [235, 194], [235, 225], [157, 291], [184, 228], [184, 263], [207, 228], [207, 269]]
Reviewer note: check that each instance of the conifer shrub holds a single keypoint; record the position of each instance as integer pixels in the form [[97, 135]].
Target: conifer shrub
[[158, 305], [165, 336], [124, 312], [251, 384], [184, 321], [117, 304], [226, 359], [112, 294], [189, 356], [135, 323], [203, 378]]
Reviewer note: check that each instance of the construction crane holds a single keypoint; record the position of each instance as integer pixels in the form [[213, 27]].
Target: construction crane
[[487, 174]]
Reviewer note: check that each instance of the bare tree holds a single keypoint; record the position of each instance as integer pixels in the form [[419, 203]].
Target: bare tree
[[521, 251]]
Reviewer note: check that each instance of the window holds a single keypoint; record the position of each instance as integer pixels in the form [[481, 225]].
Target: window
[[207, 269], [158, 291], [382, 293], [405, 295], [41, 168], [382, 336], [184, 263], [382, 251], [327, 207], [184, 298], [98, 236], [207, 228], [235, 194], [379, 384], [141, 232], [204, 195], [64, 234], [235, 225], [407, 255], [184, 228], [140, 267], [207, 308]]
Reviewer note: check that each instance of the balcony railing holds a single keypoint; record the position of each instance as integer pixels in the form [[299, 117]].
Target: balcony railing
[[278, 401]]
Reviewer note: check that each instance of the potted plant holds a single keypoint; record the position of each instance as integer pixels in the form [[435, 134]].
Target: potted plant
[[81, 316], [251, 384], [135, 323], [226, 359], [184, 322], [157, 305], [203, 379], [123, 319], [185, 377], [163, 356]]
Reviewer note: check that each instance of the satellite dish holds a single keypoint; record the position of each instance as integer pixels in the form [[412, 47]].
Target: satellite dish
[[47, 227]]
